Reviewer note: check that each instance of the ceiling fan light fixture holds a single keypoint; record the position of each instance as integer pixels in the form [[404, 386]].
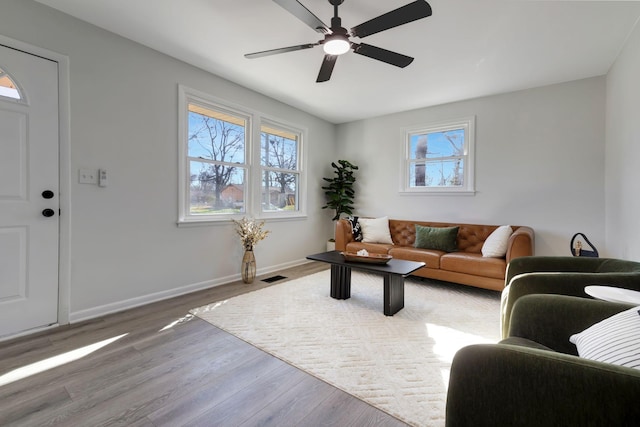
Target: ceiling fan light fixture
[[336, 45]]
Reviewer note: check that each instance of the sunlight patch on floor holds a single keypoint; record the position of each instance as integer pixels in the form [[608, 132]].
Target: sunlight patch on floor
[[447, 341], [179, 321], [200, 310], [53, 362]]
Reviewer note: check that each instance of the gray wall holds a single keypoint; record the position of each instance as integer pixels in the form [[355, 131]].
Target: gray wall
[[539, 162], [623, 152], [125, 245]]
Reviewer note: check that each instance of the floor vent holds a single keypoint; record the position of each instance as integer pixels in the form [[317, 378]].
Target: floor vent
[[273, 279]]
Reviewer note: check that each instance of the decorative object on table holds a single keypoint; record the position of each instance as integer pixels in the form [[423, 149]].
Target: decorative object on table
[[339, 192], [364, 256], [250, 233], [576, 246]]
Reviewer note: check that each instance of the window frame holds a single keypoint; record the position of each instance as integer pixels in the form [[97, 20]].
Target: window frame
[[468, 187], [285, 128], [21, 98], [253, 180]]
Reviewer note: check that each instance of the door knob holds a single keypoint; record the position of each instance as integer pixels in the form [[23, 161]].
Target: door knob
[[48, 212], [47, 194]]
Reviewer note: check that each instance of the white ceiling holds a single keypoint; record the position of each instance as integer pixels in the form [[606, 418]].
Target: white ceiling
[[467, 49]]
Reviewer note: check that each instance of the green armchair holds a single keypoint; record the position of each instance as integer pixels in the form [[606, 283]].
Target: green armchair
[[564, 276], [534, 376]]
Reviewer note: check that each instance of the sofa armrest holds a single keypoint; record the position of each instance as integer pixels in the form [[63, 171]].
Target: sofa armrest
[[504, 385], [551, 319], [521, 243], [343, 234]]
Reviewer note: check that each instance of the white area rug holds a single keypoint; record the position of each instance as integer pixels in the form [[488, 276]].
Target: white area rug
[[399, 364]]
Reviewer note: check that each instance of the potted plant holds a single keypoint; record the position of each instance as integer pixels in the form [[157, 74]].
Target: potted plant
[[339, 191]]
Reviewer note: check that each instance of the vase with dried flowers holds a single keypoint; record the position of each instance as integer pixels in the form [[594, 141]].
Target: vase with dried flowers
[[250, 233]]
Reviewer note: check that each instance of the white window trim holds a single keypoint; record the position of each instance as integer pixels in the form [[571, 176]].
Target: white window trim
[[468, 123], [253, 207], [22, 96], [302, 183]]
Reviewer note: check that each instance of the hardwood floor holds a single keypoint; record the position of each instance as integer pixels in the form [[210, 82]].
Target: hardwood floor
[[159, 366]]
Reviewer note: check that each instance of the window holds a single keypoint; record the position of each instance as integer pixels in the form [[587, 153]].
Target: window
[[8, 88], [439, 158], [280, 168], [219, 178]]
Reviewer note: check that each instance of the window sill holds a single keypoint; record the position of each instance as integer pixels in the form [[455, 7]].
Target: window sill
[[438, 193], [204, 222]]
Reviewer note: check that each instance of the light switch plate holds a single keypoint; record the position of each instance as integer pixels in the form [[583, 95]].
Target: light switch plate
[[88, 176]]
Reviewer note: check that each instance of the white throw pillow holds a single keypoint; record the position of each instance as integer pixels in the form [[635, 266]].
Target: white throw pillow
[[496, 244], [614, 340], [375, 230]]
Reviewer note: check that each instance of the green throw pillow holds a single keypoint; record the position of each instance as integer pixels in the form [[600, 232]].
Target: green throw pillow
[[439, 238]]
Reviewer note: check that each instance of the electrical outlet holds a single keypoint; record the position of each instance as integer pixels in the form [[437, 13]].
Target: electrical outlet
[[88, 176]]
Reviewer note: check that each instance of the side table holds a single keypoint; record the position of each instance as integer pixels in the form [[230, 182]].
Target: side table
[[613, 294]]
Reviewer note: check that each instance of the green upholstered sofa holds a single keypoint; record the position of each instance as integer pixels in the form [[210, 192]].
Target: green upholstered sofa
[[562, 275], [535, 378]]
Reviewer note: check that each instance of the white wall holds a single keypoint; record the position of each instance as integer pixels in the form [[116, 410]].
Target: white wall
[[125, 245], [539, 162], [623, 152]]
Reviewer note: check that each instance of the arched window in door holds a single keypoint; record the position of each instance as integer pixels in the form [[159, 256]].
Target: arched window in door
[[8, 88]]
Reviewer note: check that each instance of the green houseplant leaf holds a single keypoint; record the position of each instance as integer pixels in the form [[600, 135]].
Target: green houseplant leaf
[[339, 192]]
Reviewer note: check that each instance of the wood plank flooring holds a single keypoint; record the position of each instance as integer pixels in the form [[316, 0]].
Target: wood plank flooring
[[159, 366]]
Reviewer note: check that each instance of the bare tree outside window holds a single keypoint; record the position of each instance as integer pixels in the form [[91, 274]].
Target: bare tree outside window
[[216, 148], [438, 159], [279, 158], [236, 162]]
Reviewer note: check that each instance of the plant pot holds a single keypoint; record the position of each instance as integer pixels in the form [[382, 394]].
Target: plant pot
[[331, 246]]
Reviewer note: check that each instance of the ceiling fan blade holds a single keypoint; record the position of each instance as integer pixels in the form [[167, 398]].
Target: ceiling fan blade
[[410, 12], [280, 50], [383, 55], [298, 10], [327, 68]]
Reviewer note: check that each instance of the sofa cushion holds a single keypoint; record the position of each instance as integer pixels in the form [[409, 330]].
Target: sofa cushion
[[430, 257], [613, 340], [475, 264], [375, 230], [496, 244], [438, 238], [356, 229]]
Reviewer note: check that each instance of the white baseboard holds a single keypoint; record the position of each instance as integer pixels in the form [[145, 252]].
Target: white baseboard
[[114, 307], [28, 332]]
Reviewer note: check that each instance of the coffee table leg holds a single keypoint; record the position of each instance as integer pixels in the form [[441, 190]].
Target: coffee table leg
[[340, 281], [393, 294]]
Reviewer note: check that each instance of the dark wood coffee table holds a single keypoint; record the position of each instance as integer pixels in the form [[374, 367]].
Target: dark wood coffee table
[[393, 273]]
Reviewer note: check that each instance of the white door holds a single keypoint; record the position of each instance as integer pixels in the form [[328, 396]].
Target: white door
[[29, 199]]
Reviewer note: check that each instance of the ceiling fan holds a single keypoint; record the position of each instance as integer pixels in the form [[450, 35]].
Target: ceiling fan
[[336, 38]]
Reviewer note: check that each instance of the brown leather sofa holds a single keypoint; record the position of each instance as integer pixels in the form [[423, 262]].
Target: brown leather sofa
[[466, 266]]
